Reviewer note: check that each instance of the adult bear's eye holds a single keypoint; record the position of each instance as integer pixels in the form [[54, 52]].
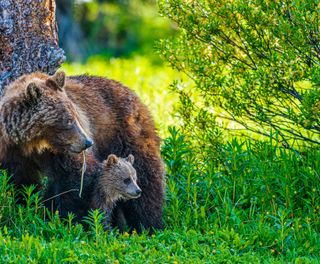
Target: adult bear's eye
[[127, 181], [70, 125]]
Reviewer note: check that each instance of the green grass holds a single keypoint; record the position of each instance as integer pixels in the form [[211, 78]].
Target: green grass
[[239, 201], [267, 197], [255, 203]]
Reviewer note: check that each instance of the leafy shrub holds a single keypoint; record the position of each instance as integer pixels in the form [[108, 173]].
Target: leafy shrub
[[266, 197], [255, 63]]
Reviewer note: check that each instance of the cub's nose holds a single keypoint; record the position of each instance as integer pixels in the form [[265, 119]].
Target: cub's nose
[[138, 192], [88, 143]]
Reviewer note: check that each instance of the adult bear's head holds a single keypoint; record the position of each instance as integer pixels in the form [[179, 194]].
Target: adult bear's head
[[36, 114]]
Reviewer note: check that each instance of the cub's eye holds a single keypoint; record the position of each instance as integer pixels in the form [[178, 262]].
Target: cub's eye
[[127, 181]]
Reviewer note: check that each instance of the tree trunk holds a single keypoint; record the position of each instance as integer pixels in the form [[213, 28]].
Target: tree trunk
[[28, 39]]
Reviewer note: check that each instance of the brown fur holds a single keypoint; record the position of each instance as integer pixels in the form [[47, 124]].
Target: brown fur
[[104, 184], [121, 124], [112, 114], [33, 113], [118, 180]]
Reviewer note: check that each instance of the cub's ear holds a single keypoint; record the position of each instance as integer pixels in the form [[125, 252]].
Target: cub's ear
[[111, 160], [33, 92], [57, 80], [130, 159]]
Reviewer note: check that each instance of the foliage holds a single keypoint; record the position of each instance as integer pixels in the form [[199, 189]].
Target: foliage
[[256, 63], [253, 202], [234, 202], [229, 200], [120, 28], [266, 197]]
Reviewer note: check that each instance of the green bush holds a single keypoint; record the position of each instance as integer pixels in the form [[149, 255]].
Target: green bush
[[255, 64], [254, 195]]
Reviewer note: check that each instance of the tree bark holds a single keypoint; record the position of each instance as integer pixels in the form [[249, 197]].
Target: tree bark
[[28, 39]]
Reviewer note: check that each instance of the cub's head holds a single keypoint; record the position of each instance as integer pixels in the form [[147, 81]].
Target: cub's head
[[36, 115], [119, 178]]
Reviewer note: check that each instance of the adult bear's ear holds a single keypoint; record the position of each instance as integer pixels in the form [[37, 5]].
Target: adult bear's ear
[[111, 160], [130, 159], [33, 92], [57, 81]]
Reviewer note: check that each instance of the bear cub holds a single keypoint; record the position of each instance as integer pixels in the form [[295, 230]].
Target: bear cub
[[104, 184], [118, 181]]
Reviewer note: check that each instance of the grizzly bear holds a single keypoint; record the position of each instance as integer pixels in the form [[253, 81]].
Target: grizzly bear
[[44, 119], [104, 184]]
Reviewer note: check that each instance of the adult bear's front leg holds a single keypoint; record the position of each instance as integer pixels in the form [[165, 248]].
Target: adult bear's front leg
[[22, 171]]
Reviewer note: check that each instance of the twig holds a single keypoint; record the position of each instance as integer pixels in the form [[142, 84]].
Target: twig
[[83, 170], [57, 195]]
